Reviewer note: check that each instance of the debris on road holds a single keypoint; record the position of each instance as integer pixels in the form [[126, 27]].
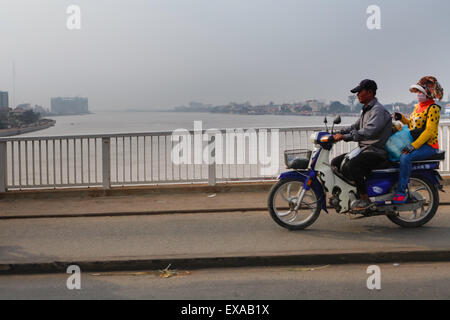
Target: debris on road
[[309, 268], [167, 273]]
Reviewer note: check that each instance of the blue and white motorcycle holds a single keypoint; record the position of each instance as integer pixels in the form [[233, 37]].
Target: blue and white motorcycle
[[299, 196]]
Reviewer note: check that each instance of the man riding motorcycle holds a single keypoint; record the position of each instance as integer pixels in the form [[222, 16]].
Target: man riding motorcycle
[[371, 131]]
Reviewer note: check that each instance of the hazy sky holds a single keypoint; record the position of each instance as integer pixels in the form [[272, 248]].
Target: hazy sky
[[164, 53]]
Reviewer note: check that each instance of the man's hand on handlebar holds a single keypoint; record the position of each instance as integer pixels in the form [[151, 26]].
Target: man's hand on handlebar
[[338, 137]]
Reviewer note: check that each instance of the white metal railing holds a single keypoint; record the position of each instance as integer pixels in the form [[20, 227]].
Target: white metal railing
[[147, 158]]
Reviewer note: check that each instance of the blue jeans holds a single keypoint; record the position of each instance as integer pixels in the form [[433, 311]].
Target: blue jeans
[[422, 153]]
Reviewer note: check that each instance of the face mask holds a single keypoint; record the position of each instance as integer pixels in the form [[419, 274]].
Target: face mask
[[421, 97]]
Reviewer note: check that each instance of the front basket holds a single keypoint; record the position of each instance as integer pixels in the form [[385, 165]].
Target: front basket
[[297, 159]]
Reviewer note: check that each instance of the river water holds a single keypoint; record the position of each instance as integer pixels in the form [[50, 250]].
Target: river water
[[129, 122]]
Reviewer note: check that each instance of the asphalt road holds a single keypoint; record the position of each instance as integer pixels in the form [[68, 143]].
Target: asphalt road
[[404, 281], [206, 234]]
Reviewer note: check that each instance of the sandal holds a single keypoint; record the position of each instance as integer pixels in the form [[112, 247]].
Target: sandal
[[400, 198]]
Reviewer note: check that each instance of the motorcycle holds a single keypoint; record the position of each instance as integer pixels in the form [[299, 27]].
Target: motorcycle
[[299, 196]]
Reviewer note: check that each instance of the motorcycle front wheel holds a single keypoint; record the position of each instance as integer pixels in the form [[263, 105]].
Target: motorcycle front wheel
[[283, 200]]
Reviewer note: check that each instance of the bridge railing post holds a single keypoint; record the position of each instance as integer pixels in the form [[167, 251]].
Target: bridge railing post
[[212, 165], [3, 167], [106, 162]]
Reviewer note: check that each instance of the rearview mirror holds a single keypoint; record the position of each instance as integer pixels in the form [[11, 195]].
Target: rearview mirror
[[337, 120]]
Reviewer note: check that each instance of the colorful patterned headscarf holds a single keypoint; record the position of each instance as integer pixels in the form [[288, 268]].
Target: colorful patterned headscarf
[[431, 86]]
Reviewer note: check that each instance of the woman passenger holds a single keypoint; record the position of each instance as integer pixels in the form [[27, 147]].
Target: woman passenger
[[423, 124]]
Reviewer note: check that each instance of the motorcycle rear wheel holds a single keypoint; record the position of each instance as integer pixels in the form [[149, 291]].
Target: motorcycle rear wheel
[[419, 187]]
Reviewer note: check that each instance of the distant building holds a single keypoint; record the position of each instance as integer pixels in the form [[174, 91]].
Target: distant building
[[447, 110], [4, 108], [351, 102], [24, 106], [402, 108], [69, 106], [314, 105], [18, 110], [4, 100], [39, 109]]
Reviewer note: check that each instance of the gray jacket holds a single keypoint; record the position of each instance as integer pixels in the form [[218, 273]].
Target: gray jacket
[[373, 128]]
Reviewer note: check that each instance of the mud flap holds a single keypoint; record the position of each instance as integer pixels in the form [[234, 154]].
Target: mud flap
[[315, 185], [434, 176]]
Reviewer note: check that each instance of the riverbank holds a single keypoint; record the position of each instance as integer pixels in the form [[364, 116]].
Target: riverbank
[[43, 124], [306, 114]]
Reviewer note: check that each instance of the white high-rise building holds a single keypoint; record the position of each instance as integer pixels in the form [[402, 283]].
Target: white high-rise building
[[75, 105]]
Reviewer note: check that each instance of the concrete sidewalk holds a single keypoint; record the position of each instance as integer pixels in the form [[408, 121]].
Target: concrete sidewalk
[[143, 201], [150, 203], [222, 227]]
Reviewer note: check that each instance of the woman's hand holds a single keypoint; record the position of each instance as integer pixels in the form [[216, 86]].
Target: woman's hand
[[408, 149], [397, 116]]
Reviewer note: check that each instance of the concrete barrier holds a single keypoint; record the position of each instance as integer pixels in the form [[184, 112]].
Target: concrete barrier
[[145, 190], [136, 190], [194, 263]]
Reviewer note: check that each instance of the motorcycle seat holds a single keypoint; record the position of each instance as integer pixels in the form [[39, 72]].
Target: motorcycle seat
[[438, 156], [388, 166]]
